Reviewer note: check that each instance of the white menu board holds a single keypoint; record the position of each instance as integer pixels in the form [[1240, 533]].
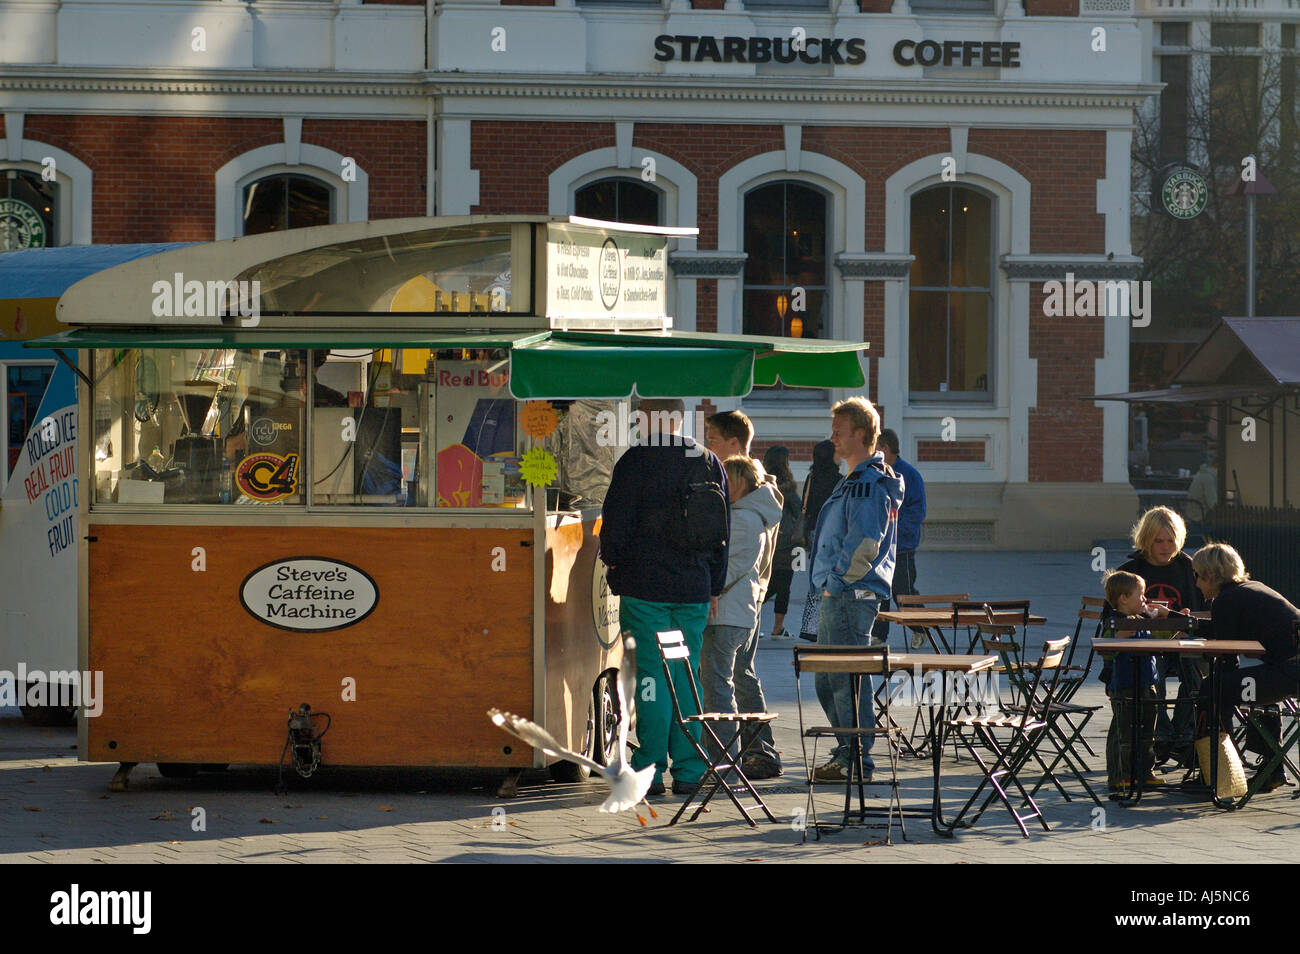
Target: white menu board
[[604, 275]]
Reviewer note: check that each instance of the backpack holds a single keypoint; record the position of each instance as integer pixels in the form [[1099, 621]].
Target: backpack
[[700, 519]]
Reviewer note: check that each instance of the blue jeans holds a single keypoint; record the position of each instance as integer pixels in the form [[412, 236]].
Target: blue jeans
[[728, 683], [846, 621]]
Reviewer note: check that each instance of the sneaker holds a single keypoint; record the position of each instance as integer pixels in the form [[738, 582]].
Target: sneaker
[[685, 788], [758, 769], [1119, 791], [657, 788], [1152, 781], [808, 637], [784, 634], [918, 639], [831, 772]]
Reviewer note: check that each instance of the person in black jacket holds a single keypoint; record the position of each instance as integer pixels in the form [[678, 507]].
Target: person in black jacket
[[662, 587], [1245, 609], [817, 488], [1159, 559]]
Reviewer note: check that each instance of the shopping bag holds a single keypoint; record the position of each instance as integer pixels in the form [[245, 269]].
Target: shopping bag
[[1232, 776], [811, 611]]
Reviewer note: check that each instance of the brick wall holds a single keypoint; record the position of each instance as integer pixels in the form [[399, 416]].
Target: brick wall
[[799, 450], [1065, 433], [950, 451], [1063, 166], [149, 190], [1051, 8]]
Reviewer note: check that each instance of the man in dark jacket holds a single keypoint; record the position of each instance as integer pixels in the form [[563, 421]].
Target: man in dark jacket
[[661, 586], [910, 517]]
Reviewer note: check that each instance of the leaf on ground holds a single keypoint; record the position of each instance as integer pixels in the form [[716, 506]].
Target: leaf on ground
[[47, 768], [292, 806], [164, 816], [385, 808], [30, 808], [175, 842], [266, 821]]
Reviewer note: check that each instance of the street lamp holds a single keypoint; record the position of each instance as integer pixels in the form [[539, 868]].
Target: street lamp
[[1259, 185]]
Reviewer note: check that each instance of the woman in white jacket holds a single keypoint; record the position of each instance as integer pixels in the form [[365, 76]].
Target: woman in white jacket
[[727, 676]]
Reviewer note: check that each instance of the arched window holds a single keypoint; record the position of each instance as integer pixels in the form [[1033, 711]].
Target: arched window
[[951, 295], [785, 238], [279, 202], [619, 200], [28, 213]]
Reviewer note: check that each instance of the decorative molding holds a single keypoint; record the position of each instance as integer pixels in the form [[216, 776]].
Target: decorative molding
[[1041, 269], [873, 266], [635, 87], [707, 264]]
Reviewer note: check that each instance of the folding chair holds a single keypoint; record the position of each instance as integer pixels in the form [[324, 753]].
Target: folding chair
[[935, 636], [1288, 740], [1000, 606], [932, 600], [822, 659], [672, 646], [1027, 728]]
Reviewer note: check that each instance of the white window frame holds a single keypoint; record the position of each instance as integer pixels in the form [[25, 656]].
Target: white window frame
[[350, 201]]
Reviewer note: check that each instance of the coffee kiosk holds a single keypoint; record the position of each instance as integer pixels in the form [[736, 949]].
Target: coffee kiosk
[[345, 484]]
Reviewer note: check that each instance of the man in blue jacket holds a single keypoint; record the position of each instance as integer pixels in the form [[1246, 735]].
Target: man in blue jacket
[[661, 586], [854, 550], [910, 517]]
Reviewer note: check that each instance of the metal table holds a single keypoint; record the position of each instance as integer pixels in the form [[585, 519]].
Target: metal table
[[1215, 650], [858, 662]]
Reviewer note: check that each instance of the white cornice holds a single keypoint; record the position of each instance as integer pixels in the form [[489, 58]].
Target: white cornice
[[647, 87]]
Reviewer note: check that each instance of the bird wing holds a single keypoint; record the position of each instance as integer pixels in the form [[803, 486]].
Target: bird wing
[[539, 738]]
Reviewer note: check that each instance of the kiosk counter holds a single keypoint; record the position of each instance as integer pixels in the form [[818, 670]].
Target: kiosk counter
[[360, 468]]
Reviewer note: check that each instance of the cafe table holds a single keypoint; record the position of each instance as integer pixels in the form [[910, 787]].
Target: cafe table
[[859, 661], [933, 619], [1216, 650]]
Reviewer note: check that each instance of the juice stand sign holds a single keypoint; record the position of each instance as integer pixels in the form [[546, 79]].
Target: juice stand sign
[[38, 534]]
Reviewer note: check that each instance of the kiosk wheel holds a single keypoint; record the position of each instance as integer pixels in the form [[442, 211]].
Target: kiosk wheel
[[564, 771]]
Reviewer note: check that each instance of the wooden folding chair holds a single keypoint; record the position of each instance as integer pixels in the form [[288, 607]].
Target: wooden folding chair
[[932, 601], [1027, 729], [673, 648], [999, 606]]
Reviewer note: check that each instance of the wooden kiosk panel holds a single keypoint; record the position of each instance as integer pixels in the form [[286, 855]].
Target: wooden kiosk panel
[[191, 675]]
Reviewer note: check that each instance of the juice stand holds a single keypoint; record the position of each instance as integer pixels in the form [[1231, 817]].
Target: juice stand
[[360, 468]]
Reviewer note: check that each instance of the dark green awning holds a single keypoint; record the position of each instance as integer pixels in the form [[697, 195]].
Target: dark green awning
[[590, 369], [553, 364]]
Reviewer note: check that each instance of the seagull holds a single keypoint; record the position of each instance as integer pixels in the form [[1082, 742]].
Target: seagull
[[628, 787]]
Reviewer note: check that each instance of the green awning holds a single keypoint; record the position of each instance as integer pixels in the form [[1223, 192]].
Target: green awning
[[552, 364], [592, 369], [280, 338]]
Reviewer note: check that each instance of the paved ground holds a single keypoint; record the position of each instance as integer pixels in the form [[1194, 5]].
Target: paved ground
[[54, 809]]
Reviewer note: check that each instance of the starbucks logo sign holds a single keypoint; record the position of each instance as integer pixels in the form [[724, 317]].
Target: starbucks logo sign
[[20, 226], [1184, 194]]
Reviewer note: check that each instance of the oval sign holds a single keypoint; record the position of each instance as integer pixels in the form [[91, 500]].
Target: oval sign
[[309, 594]]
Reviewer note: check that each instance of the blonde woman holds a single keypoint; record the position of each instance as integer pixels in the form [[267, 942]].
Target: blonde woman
[[1242, 608], [1158, 537]]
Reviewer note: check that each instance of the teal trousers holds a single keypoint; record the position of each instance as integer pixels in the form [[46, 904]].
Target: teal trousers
[[658, 737]]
